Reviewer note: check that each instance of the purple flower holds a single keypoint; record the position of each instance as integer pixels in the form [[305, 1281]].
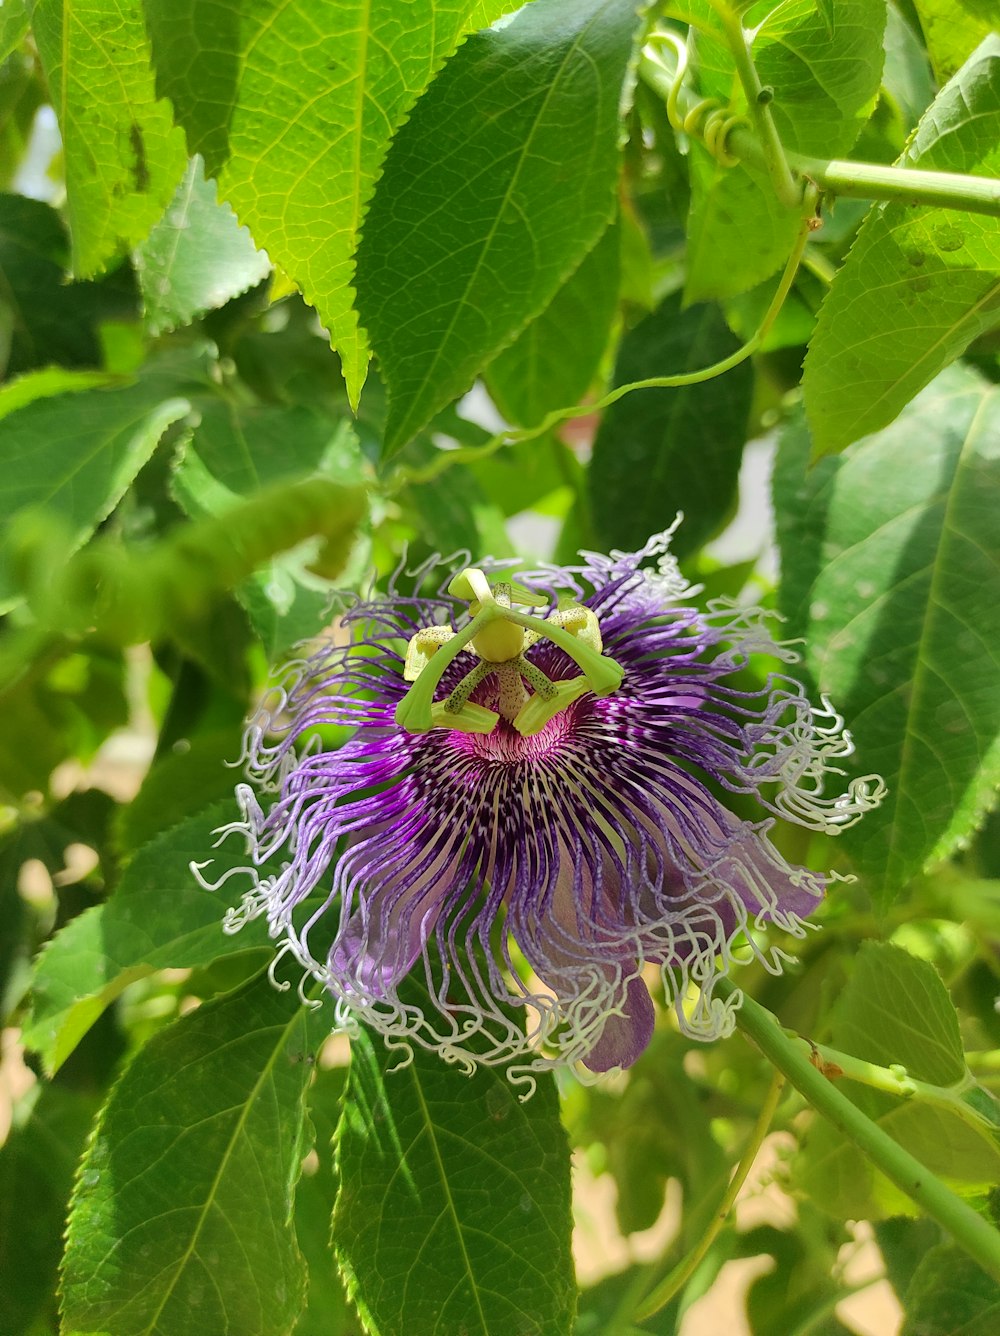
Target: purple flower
[[530, 810]]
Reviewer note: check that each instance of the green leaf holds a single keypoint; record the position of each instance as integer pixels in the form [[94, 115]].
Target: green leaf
[[181, 1219], [951, 1296], [327, 1312], [234, 452], [14, 24], [920, 283], [159, 917], [51, 320], [197, 257], [953, 29], [895, 1009], [739, 233], [74, 455], [890, 555], [661, 451], [298, 157], [455, 260], [37, 1163], [453, 1211], [553, 362], [49, 381], [123, 155], [825, 69]]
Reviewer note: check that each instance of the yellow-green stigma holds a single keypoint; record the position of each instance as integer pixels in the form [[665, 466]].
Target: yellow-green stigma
[[500, 635]]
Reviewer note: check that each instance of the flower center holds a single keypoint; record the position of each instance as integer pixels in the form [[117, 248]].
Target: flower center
[[500, 635]]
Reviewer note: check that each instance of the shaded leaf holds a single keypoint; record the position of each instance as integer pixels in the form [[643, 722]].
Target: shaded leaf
[[453, 1209], [895, 1009], [739, 233], [920, 283], [73, 455], [197, 257], [553, 362], [950, 1295], [456, 259], [51, 320], [233, 453], [14, 24], [123, 155], [37, 1164], [664, 450], [158, 917], [890, 559], [298, 157], [327, 1312], [181, 1218]]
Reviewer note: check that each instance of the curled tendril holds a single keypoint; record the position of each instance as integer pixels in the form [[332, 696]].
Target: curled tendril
[[708, 120]]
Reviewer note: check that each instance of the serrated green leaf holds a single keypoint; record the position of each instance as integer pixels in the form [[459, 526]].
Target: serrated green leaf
[[453, 1209], [895, 1009], [181, 1218], [197, 257], [920, 283], [890, 556], [123, 154], [552, 363], [950, 1295], [298, 157], [236, 451], [455, 260], [953, 29], [825, 70], [37, 1164], [661, 451], [327, 1312], [159, 917], [49, 381]]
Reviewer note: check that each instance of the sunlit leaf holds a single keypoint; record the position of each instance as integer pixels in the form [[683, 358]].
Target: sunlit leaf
[[181, 1219], [196, 257], [920, 283], [123, 155], [297, 157], [453, 1205], [891, 554], [455, 259]]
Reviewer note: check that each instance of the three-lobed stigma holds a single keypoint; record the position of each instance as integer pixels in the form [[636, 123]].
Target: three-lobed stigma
[[499, 634]]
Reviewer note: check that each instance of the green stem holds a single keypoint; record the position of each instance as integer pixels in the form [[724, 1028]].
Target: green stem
[[682, 1273], [785, 186], [859, 180], [894, 1080], [980, 1240]]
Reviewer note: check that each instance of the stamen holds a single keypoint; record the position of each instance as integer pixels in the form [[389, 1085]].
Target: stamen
[[500, 637]]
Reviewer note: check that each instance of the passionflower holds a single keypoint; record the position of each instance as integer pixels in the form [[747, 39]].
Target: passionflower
[[529, 822]]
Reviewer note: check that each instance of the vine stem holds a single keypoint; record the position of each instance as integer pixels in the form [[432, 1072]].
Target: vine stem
[[469, 453], [834, 176], [786, 189], [979, 1239], [683, 1272]]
